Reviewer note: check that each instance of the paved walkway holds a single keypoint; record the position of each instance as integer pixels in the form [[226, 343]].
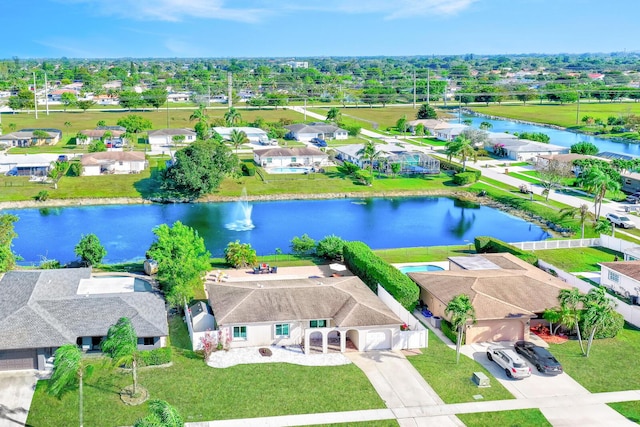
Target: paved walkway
[[16, 394]]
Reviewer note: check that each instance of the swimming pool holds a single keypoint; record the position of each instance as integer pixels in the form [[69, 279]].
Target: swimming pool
[[419, 268], [288, 170]]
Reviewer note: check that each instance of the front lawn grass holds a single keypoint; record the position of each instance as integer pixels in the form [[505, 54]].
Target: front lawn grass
[[520, 418], [451, 380], [201, 393], [578, 259], [610, 365], [424, 253], [377, 423], [631, 410]]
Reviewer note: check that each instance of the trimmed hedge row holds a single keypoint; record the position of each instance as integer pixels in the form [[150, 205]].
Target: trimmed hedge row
[[361, 260], [486, 244], [248, 169], [457, 168], [445, 327], [157, 356], [464, 178]]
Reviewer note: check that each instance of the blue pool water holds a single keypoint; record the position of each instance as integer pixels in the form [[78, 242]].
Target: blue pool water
[[288, 170], [420, 268]]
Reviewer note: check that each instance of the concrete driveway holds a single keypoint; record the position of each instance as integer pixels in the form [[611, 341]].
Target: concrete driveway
[[16, 392], [541, 386]]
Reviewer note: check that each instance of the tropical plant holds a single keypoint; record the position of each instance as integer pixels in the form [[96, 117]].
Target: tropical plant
[[571, 302], [586, 148], [200, 115], [67, 369], [334, 115], [581, 212], [7, 234], [303, 245], [598, 310], [598, 182], [90, 250], [485, 125], [426, 112], [237, 138], [161, 414], [370, 154], [121, 345], [232, 117], [240, 255], [460, 312], [401, 124], [551, 174], [461, 147], [330, 247]]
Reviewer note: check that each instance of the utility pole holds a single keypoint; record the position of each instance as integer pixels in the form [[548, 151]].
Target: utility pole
[[414, 89], [46, 94], [459, 108], [230, 88], [305, 109], [446, 86], [578, 109], [35, 95], [428, 96]]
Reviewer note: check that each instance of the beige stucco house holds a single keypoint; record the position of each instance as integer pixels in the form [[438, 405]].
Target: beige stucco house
[[506, 293], [113, 162], [308, 312], [282, 156]]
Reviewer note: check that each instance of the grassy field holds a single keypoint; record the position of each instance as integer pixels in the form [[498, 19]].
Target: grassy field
[[521, 418], [200, 393], [423, 254], [364, 116], [559, 115], [578, 259], [451, 380]]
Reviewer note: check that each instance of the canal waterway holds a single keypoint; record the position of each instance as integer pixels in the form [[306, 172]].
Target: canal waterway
[[126, 230], [558, 136]]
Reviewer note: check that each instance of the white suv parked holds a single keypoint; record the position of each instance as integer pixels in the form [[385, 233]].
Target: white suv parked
[[509, 360], [620, 220]]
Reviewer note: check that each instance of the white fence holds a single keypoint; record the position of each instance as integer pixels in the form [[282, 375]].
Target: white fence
[[631, 313], [196, 343], [416, 336], [615, 243], [556, 244]]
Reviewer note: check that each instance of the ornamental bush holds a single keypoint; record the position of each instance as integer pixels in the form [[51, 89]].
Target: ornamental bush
[[157, 356], [464, 178], [374, 271], [487, 244]]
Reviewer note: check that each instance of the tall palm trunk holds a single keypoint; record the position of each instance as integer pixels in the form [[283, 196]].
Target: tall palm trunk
[[134, 372], [81, 397], [579, 335], [593, 332], [459, 342]]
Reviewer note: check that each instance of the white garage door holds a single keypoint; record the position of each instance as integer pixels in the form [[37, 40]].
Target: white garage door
[[13, 360], [377, 340]]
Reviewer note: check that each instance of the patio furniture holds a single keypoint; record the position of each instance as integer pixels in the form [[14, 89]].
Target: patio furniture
[[274, 269]]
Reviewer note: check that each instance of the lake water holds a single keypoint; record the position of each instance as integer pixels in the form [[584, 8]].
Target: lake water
[[558, 137], [125, 230]]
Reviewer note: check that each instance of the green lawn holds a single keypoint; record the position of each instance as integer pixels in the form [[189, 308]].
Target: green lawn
[[578, 259], [631, 410], [452, 382], [423, 254], [202, 393], [560, 115], [521, 418], [384, 116], [610, 365], [379, 423]]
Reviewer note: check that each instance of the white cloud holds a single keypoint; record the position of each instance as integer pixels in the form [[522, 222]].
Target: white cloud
[[174, 10]]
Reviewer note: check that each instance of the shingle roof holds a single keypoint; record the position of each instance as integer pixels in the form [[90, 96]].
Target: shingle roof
[[628, 268], [170, 132], [314, 128], [42, 309], [346, 300], [112, 156], [496, 293]]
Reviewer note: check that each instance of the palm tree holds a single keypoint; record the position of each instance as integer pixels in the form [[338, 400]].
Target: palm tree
[[485, 125], [200, 115], [334, 115], [598, 311], [121, 345], [369, 153], [161, 414], [237, 138], [232, 116], [67, 367], [597, 181], [582, 212], [571, 300], [461, 147], [67, 124], [461, 311]]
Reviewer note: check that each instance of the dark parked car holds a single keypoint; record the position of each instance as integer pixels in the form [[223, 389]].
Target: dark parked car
[[539, 357], [319, 142]]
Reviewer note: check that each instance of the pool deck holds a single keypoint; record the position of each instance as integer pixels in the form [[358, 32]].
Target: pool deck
[[284, 273], [442, 264]]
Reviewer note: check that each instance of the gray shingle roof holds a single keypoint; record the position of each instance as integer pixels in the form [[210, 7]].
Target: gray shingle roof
[[314, 128], [346, 300], [42, 309]]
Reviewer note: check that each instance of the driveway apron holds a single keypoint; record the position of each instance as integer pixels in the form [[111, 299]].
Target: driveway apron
[[16, 392]]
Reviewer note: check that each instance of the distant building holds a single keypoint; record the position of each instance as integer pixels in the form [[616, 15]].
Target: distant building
[[294, 156], [306, 132], [255, 135], [162, 140], [113, 162]]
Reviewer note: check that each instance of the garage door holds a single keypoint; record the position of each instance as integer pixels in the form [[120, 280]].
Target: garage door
[[377, 340], [13, 360]]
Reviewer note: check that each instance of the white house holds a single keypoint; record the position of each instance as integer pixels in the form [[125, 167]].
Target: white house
[[113, 162], [281, 156], [255, 135], [339, 312], [448, 131], [622, 277], [92, 135], [26, 164], [179, 97], [523, 149], [26, 138], [162, 140], [306, 132]]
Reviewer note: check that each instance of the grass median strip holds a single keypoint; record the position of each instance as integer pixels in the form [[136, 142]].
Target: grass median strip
[[520, 418]]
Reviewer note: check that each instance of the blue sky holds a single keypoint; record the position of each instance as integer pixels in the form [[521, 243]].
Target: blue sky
[[299, 28]]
